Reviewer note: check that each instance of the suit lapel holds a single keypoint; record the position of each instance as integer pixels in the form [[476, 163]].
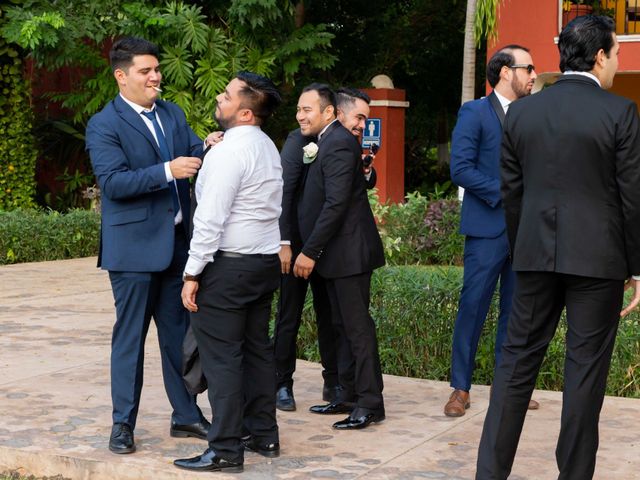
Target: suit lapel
[[497, 107], [130, 116]]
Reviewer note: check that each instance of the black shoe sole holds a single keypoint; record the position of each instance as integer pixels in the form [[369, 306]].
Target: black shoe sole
[[121, 451], [286, 408], [265, 453], [235, 469], [181, 434], [360, 427]]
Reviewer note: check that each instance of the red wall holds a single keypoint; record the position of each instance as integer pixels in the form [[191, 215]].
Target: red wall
[[535, 26]]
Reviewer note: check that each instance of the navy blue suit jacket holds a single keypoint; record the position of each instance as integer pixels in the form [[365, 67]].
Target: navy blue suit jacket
[[475, 166], [137, 233]]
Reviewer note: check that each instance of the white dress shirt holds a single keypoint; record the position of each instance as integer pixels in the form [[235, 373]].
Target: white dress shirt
[[239, 194], [504, 101], [167, 169], [584, 74]]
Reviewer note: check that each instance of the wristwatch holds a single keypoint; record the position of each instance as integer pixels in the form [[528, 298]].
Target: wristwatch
[[190, 278]]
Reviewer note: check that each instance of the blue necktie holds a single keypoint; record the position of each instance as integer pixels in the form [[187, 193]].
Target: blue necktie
[[166, 155]]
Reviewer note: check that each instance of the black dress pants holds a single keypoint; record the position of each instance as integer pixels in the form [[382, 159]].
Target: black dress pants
[[293, 291], [593, 312], [231, 328], [362, 381]]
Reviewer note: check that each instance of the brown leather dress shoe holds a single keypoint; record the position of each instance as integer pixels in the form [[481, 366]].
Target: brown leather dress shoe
[[458, 403], [533, 405]]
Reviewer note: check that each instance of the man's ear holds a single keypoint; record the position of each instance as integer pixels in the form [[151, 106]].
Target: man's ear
[[120, 76], [328, 111], [246, 115], [600, 57]]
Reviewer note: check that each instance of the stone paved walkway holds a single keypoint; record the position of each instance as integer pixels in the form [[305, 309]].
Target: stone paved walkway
[[55, 325]]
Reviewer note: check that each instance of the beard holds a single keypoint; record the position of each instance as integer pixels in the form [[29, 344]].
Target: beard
[[223, 122], [519, 89]]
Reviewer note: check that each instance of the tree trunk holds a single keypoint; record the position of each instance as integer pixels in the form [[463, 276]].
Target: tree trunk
[[299, 15], [469, 55]]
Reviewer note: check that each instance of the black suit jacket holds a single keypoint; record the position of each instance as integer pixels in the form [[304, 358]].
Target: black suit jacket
[[293, 169], [570, 174], [292, 172], [335, 220]]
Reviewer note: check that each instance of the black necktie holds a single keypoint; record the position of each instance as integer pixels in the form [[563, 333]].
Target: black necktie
[[166, 155]]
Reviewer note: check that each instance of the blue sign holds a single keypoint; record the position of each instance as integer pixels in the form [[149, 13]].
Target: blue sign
[[372, 132]]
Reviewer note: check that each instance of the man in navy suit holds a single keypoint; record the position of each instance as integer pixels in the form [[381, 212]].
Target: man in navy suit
[[143, 153], [475, 166]]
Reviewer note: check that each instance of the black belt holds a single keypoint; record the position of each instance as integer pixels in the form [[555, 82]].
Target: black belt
[[221, 253]]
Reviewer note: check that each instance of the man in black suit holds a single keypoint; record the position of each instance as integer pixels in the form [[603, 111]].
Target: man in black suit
[[570, 174], [353, 111], [340, 242]]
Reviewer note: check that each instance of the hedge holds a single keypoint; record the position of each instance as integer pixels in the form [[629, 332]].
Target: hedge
[[415, 308], [36, 236], [17, 146]]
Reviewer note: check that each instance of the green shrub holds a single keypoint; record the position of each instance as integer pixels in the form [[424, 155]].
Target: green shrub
[[35, 236], [17, 146], [421, 231], [415, 309]]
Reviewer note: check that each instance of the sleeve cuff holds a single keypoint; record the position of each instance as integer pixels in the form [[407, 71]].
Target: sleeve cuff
[[635, 277], [167, 172], [285, 242]]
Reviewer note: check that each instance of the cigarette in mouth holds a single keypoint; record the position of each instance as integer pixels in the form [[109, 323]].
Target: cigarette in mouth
[[156, 89]]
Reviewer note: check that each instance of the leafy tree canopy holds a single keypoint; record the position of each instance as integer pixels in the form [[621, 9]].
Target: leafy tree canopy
[[201, 49]]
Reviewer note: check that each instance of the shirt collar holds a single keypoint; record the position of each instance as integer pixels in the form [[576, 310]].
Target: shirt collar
[[584, 74], [138, 108], [325, 129], [504, 101], [239, 130]]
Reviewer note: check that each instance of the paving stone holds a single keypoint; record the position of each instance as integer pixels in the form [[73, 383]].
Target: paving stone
[[55, 332]]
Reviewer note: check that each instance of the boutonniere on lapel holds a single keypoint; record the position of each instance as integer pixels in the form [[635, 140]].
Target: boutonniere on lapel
[[310, 152]]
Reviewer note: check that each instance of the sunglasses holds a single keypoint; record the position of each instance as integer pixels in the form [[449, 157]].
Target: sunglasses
[[530, 68]]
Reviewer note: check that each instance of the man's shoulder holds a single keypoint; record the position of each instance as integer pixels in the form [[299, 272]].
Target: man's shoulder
[[104, 116], [339, 134]]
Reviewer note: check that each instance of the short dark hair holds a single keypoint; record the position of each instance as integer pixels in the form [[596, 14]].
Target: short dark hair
[[502, 58], [327, 96], [346, 97], [581, 40], [123, 51], [260, 95]]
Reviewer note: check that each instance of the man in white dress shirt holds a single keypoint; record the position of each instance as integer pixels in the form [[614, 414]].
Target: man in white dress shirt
[[231, 274]]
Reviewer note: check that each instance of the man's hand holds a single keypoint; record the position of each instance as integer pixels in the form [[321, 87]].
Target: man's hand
[[213, 138], [189, 290], [184, 167], [635, 284], [303, 266], [285, 255]]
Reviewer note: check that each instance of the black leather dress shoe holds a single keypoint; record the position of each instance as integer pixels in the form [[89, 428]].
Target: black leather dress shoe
[[121, 440], [195, 430], [271, 450], [362, 421], [285, 400], [331, 408], [208, 462]]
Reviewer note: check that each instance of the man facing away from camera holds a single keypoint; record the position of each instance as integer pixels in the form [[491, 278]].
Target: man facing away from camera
[[231, 274], [352, 112], [475, 166], [570, 173], [143, 153]]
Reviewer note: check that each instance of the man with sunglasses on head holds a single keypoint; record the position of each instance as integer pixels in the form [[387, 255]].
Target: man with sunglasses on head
[[475, 166]]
